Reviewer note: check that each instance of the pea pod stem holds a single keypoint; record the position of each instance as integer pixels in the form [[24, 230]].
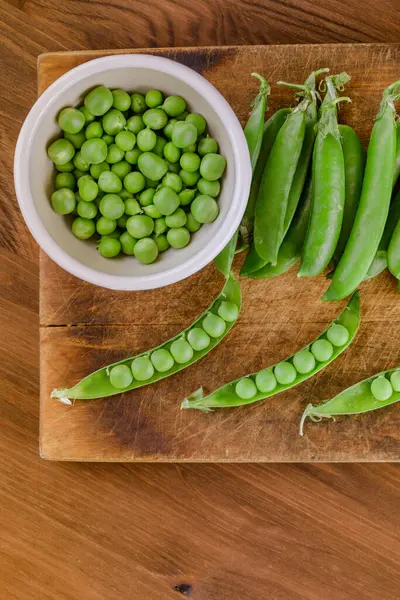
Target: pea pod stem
[[354, 400], [254, 127], [226, 396]]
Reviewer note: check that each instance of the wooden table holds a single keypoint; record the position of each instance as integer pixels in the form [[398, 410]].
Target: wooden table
[[105, 532]]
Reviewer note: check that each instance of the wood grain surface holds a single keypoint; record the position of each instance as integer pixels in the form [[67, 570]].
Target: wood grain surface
[[134, 532], [279, 316]]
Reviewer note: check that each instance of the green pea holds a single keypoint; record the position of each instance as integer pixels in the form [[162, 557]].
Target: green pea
[[97, 170], [212, 166], [209, 188], [178, 237], [127, 243], [108, 139], [381, 388], [160, 226], [63, 201], [132, 156], [67, 168], [93, 130], [80, 162], [186, 196], [61, 152], [138, 103], [112, 206], [114, 154], [162, 360], [109, 247], [173, 181], [135, 124], [198, 121], [173, 167], [213, 325], [152, 166], [65, 180], [184, 134], [121, 169], [161, 242], [146, 250], [155, 118], [189, 178], [171, 152], [191, 224], [87, 210], [116, 234], [152, 211], [198, 339], [266, 381], [121, 100], [337, 335], [146, 140], [121, 222], [168, 129], [146, 197], [88, 115], [159, 147], [82, 228], [228, 311], [99, 101], [94, 151], [76, 139], [113, 122], [304, 361], [78, 173], [140, 226], [190, 162], [71, 120], [134, 182], [204, 209], [285, 373], [246, 388], [166, 201], [174, 105], [105, 226], [109, 182], [395, 380], [177, 219], [182, 116], [121, 377], [124, 194], [88, 188], [132, 207], [181, 351], [153, 98], [125, 140], [322, 350], [207, 146]]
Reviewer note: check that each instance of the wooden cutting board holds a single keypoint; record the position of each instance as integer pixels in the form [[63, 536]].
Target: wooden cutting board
[[84, 327]]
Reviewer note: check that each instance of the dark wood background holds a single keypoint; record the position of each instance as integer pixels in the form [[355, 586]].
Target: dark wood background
[[105, 532]]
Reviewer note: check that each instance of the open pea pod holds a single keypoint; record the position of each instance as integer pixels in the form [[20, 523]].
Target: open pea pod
[[221, 316], [377, 391], [285, 375]]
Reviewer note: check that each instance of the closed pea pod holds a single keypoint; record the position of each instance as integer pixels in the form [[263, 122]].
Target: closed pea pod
[[374, 203], [370, 394], [380, 261], [328, 187], [393, 255], [254, 128], [279, 378], [98, 384]]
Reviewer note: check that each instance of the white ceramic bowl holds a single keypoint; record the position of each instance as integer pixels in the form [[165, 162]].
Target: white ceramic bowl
[[33, 171]]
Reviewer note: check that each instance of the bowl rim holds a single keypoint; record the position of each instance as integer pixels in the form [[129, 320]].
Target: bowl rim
[[241, 161]]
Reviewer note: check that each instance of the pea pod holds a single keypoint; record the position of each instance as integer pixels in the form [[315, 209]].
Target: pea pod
[[271, 129], [360, 398], [223, 261], [380, 261], [374, 203], [294, 370], [290, 249], [397, 159], [254, 128], [328, 186], [393, 254], [221, 317]]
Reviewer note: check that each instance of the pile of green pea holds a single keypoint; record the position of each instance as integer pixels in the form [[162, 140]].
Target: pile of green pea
[[303, 362], [138, 170], [382, 388], [180, 351]]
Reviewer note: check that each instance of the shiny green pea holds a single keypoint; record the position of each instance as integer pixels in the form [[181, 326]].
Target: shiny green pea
[[162, 360], [189, 178], [177, 219], [135, 124], [127, 243], [152, 166], [285, 373], [191, 224], [109, 247], [80, 163], [61, 152], [184, 134], [134, 182], [190, 162], [155, 118], [182, 116], [113, 122], [86, 210], [82, 228], [186, 196], [114, 154], [140, 226], [228, 311], [88, 115], [121, 222], [97, 170], [337, 335], [125, 140], [146, 250], [105, 226], [76, 139], [67, 168], [94, 151], [381, 388], [198, 339], [146, 197], [99, 101], [159, 147], [161, 242], [153, 98], [166, 201], [65, 180], [63, 201], [121, 100], [174, 105], [266, 381], [121, 377], [132, 207], [71, 120], [160, 226], [178, 237], [93, 130], [168, 129], [146, 140], [88, 188], [246, 388], [142, 368], [121, 169], [209, 188], [207, 146], [322, 350], [213, 325], [204, 209], [212, 166], [108, 139], [181, 351], [138, 103], [171, 152], [304, 361], [152, 211], [173, 181], [198, 121], [112, 206], [395, 380], [132, 156], [109, 182]]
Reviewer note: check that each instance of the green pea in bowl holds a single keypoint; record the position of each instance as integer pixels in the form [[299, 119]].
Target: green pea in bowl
[[35, 176]]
